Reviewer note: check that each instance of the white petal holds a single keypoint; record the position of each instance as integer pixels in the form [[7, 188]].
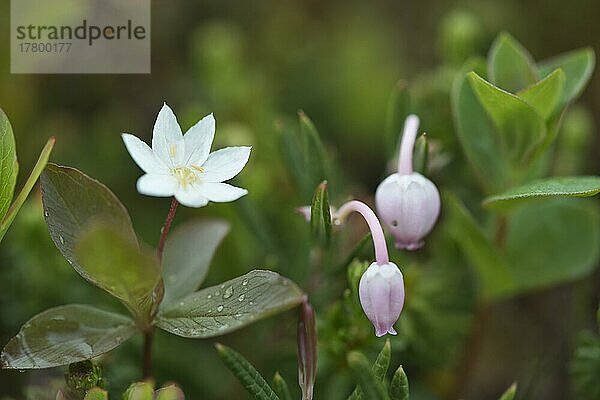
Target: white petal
[[226, 163], [221, 192], [143, 155], [157, 185], [191, 196], [167, 139], [198, 140]]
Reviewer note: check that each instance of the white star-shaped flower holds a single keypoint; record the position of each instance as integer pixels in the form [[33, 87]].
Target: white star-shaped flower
[[182, 166]]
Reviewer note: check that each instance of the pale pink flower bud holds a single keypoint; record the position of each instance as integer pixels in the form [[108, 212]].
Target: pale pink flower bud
[[407, 202], [381, 292]]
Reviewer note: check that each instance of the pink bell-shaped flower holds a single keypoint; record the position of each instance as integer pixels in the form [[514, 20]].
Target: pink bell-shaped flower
[[407, 202]]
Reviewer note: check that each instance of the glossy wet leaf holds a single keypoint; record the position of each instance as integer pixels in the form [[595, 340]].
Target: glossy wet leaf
[[519, 125], [476, 134], [399, 386], [22, 196], [510, 393], [188, 253], [72, 203], [320, 214], [578, 66], [380, 368], [491, 266], [171, 392], [220, 309], [510, 66], [552, 242], [248, 376], [8, 164], [372, 388], [65, 335], [96, 394], [120, 266], [545, 96], [576, 186]]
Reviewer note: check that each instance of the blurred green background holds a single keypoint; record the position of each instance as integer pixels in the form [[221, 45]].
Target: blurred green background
[[254, 65]]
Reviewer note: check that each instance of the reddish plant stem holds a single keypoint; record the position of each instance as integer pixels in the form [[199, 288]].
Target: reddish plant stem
[[148, 334]]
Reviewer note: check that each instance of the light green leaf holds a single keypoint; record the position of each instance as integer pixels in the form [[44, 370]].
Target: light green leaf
[[139, 391], [118, 265], [397, 111], [476, 134], [171, 392], [280, 387], [8, 164], [220, 309], [96, 394], [33, 177], [399, 387], [577, 65], [371, 387], [65, 335], [545, 95], [552, 242], [380, 368], [320, 214], [188, 253], [520, 126], [421, 154], [510, 393], [491, 266], [248, 376], [577, 186], [72, 203], [315, 160], [510, 66]]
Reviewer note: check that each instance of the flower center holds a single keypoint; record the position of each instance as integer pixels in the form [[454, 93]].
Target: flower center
[[185, 176]]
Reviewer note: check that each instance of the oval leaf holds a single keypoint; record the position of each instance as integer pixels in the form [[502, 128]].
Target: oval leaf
[[578, 186], [65, 335], [118, 265], [8, 164], [510, 66], [545, 95], [577, 65], [72, 203], [236, 303], [187, 256], [520, 126]]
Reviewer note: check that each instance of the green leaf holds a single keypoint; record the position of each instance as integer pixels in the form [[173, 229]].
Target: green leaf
[[552, 242], [476, 134], [577, 65], [520, 126], [421, 154], [171, 392], [372, 388], [397, 111], [315, 160], [545, 95], [217, 310], [510, 393], [280, 387], [492, 268], [188, 253], [65, 335], [320, 214], [379, 369], [577, 186], [399, 387], [248, 376], [96, 394], [20, 199], [72, 203], [139, 391], [510, 66], [8, 164], [126, 271]]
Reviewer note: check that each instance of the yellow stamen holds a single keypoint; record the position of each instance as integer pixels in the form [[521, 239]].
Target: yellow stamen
[[173, 150], [184, 176], [197, 168]]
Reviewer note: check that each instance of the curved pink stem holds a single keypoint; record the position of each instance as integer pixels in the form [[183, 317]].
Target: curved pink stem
[[409, 134], [381, 253]]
